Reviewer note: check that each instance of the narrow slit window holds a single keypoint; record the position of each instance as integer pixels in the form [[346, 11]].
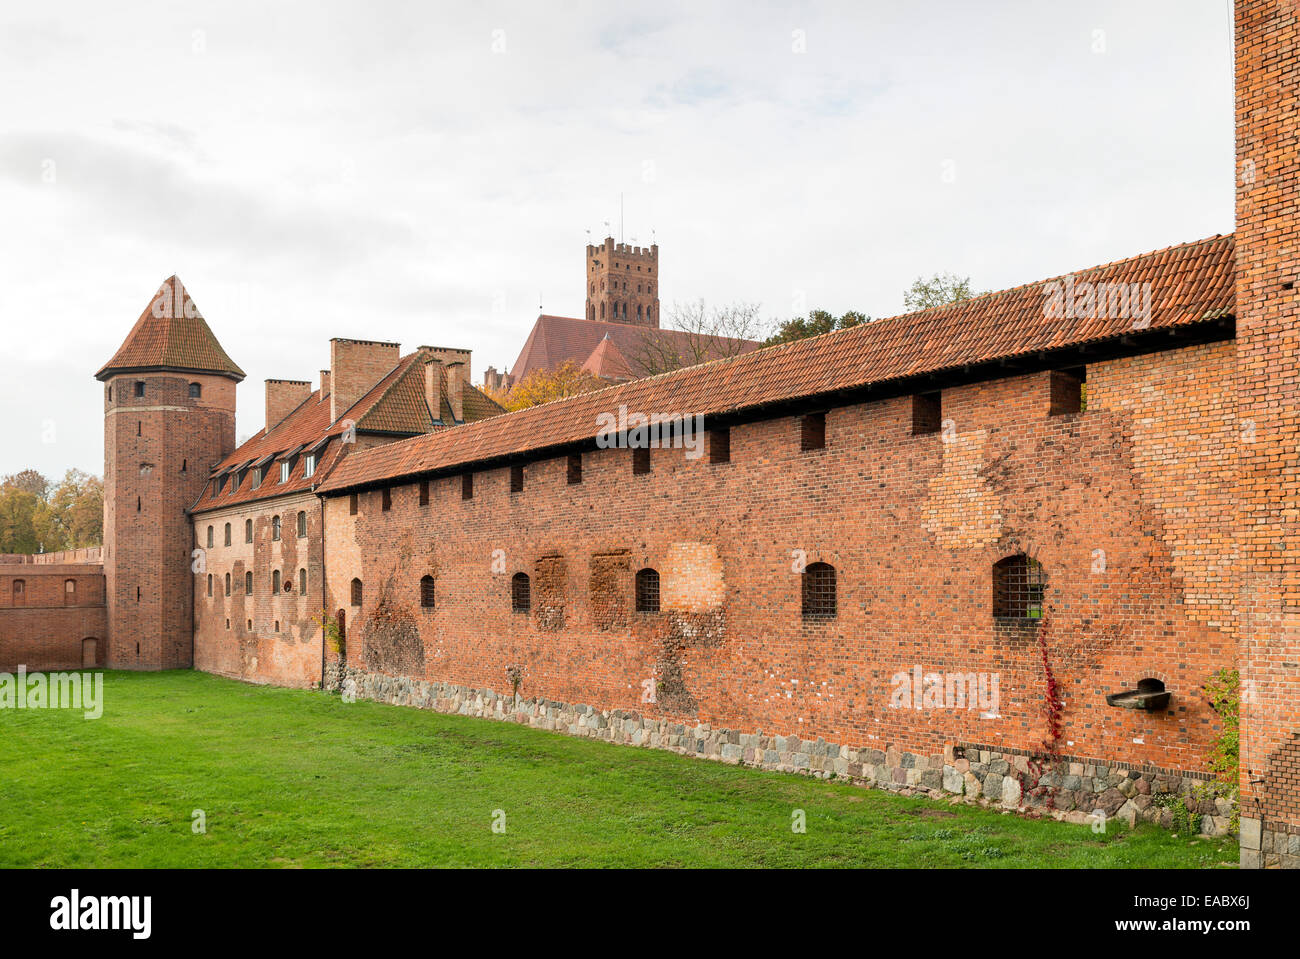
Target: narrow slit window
[[517, 478], [424, 492], [467, 486], [575, 468], [356, 592]]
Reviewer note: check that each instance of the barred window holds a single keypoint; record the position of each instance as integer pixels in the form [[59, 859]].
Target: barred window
[[426, 592], [521, 593], [819, 599], [356, 592], [647, 590], [1018, 587]]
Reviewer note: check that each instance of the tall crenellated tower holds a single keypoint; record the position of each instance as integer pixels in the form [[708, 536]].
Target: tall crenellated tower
[[623, 283], [1268, 411], [169, 416]]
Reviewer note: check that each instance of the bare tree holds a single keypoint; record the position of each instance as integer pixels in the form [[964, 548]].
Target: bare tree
[[695, 334]]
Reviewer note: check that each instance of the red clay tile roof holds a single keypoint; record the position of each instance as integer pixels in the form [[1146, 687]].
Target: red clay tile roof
[[1190, 284], [171, 334], [607, 362], [395, 404], [555, 339]]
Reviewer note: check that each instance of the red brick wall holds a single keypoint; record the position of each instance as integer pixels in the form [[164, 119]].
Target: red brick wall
[[291, 655], [48, 627], [913, 525], [158, 450], [1268, 357]]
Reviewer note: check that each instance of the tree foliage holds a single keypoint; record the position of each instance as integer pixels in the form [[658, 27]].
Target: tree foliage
[[814, 324], [37, 516], [938, 290], [543, 386]]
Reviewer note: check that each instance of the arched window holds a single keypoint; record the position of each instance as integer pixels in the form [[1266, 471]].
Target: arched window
[[647, 590], [209, 584], [70, 592], [227, 584], [302, 524], [356, 592], [275, 528], [426, 592], [302, 581], [521, 593], [819, 599], [210, 530], [248, 583], [227, 534], [275, 581], [248, 531], [1018, 587], [20, 592], [196, 391]]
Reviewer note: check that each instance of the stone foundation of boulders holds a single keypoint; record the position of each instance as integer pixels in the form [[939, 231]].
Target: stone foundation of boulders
[[1078, 791]]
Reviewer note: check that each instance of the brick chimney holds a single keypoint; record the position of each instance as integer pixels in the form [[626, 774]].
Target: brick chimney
[[355, 367], [324, 383], [1268, 412], [433, 385], [449, 354], [456, 375], [282, 398]]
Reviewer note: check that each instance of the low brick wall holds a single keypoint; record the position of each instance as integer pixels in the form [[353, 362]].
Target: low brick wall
[[1068, 789]]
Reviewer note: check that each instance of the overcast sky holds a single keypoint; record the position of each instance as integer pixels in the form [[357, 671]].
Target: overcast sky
[[427, 172]]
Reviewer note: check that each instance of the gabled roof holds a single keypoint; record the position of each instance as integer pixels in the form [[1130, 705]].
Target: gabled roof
[[607, 362], [556, 339], [1191, 285], [394, 406], [171, 334]]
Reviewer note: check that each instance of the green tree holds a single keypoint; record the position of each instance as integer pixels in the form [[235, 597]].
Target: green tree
[[936, 291], [814, 324], [18, 520]]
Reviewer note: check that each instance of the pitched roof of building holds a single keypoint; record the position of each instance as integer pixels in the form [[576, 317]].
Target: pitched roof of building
[[394, 405], [171, 334], [556, 339], [1189, 284], [608, 362]]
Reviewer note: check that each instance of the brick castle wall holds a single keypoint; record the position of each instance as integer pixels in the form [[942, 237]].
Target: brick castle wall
[[44, 625], [913, 525], [224, 641]]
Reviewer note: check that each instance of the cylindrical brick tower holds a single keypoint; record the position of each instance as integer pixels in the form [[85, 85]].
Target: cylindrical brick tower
[[169, 416]]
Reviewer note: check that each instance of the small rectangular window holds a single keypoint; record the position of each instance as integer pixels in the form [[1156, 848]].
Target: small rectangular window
[[467, 486], [352, 505], [575, 468], [139, 387], [640, 460], [1066, 389], [720, 445], [386, 499], [517, 478], [812, 432], [927, 413], [424, 492]]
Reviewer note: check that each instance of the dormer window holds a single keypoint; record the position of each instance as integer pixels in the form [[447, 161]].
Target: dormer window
[[309, 464], [285, 467]]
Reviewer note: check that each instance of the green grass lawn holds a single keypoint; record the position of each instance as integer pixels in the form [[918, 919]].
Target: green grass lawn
[[297, 778]]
